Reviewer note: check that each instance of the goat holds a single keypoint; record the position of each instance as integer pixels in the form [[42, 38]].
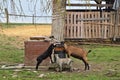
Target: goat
[[63, 61], [107, 2], [78, 53], [60, 56], [45, 55]]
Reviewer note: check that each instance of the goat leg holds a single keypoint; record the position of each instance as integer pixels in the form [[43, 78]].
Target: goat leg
[[37, 65], [51, 59], [38, 62], [88, 66], [85, 63], [60, 67], [70, 64]]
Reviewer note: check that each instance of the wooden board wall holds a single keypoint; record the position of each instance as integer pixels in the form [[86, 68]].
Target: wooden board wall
[[90, 25]]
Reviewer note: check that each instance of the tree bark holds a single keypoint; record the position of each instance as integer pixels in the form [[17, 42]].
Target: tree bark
[[58, 19]]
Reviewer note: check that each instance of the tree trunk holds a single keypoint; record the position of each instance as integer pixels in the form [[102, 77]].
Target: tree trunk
[[58, 19]]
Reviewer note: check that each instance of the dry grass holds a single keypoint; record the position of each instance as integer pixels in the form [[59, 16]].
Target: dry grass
[[27, 31]]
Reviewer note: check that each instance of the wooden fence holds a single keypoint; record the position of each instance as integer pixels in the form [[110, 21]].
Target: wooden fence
[[33, 17], [90, 24]]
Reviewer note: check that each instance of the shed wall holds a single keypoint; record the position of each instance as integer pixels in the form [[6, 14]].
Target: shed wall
[[90, 24]]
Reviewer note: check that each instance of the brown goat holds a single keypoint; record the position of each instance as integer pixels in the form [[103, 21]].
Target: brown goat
[[78, 53]]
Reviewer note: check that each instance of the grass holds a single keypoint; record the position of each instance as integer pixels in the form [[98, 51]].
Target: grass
[[105, 54], [104, 61], [10, 50], [5, 25], [31, 75]]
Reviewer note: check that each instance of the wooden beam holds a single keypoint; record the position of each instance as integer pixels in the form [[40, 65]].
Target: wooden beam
[[99, 23], [116, 24], [93, 19], [98, 5], [26, 15]]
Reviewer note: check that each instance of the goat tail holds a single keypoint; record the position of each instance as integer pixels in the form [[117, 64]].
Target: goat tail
[[89, 51]]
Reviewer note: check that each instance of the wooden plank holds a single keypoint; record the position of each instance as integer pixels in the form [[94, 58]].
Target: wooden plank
[[82, 28], [108, 27], [97, 23], [105, 30], [116, 24], [93, 27], [71, 31], [98, 5], [93, 19], [70, 24], [111, 22], [67, 22], [90, 29], [67, 26], [87, 26], [100, 26], [74, 25], [27, 15], [76, 31], [119, 31], [79, 26]]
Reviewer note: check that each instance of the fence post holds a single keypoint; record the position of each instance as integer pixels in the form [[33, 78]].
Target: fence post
[[7, 15], [33, 19], [116, 24]]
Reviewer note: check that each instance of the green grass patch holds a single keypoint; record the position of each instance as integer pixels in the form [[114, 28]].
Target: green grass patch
[[104, 60], [10, 52], [32, 75], [105, 54], [11, 25]]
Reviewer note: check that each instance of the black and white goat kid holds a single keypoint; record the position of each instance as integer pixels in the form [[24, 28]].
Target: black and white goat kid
[[45, 55]]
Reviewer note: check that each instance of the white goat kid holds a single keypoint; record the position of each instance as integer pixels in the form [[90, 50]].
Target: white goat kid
[[63, 61]]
